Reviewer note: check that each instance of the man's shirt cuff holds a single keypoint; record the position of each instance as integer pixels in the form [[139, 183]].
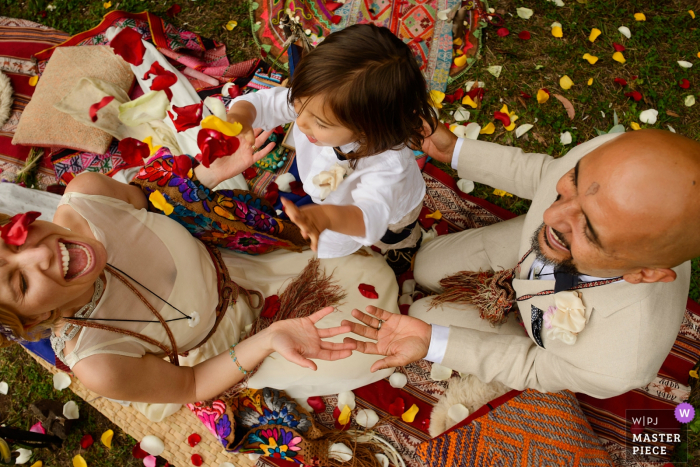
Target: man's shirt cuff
[[438, 343], [455, 153]]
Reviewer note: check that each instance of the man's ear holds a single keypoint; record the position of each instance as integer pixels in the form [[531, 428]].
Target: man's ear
[[650, 275]]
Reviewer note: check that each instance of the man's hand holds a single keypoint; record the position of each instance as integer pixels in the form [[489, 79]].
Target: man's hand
[[441, 144], [311, 220], [402, 339]]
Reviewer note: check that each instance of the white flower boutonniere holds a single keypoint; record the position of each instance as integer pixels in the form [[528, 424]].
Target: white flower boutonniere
[[568, 318], [328, 180]]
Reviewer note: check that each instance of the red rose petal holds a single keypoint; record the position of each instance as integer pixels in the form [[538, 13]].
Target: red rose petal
[[620, 81], [442, 228], [524, 35], [685, 84], [546, 90], [196, 459], [271, 307], [368, 291], [272, 193], [503, 32], [133, 151], [476, 93], [426, 222], [459, 94], [502, 117], [636, 95], [43, 13], [525, 95], [297, 188], [86, 441], [214, 145], [335, 19], [332, 6], [193, 439], [127, 44], [163, 79], [156, 69], [250, 173], [174, 10], [404, 309], [317, 404], [182, 165], [137, 452], [94, 108], [618, 47], [448, 99], [336, 416], [15, 232], [188, 116], [397, 408]]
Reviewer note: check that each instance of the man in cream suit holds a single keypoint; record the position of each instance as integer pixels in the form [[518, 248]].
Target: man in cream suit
[[602, 266]]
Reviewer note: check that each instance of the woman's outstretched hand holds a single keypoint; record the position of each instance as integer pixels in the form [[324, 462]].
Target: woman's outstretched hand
[[299, 340], [402, 339]]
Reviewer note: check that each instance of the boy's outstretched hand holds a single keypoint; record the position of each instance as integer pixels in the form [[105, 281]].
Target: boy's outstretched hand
[[402, 339], [311, 220]]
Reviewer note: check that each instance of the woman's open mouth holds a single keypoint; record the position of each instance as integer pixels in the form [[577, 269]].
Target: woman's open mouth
[[77, 259]]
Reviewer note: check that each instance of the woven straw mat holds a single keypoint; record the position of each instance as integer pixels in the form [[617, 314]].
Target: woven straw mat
[[174, 430]]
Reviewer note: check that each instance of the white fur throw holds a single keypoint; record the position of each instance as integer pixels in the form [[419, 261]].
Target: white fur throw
[[467, 390], [5, 98]]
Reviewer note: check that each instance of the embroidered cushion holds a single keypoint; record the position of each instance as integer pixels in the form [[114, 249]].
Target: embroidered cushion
[[523, 428], [43, 125]]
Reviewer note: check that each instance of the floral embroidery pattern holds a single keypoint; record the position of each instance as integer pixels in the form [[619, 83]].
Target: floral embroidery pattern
[[279, 444]]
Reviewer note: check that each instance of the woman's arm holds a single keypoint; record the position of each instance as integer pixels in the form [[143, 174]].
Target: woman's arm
[[91, 183], [152, 379]]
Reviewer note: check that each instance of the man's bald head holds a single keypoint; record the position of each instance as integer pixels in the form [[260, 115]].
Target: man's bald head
[[631, 207]]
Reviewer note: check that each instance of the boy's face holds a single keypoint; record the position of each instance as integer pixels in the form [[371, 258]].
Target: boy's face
[[319, 124]]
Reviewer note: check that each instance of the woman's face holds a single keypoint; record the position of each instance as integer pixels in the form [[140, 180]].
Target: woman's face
[[53, 269]]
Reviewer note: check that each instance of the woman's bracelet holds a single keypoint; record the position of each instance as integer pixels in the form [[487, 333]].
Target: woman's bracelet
[[232, 353]]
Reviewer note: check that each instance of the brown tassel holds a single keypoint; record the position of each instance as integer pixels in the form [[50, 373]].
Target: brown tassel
[[312, 290], [363, 452], [491, 292]]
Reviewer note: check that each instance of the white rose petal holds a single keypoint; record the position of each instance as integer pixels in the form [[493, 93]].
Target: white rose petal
[[556, 24], [409, 285], [671, 129], [346, 398], [427, 235], [51, 7], [565, 138], [470, 84], [398, 380], [472, 131], [557, 2], [194, 319], [151, 106], [340, 452], [367, 418], [216, 107], [252, 456], [689, 101], [442, 14], [382, 459], [4, 388], [495, 70], [522, 129], [625, 31], [152, 445], [465, 186], [284, 182], [440, 373], [406, 299], [24, 456], [457, 413], [685, 64], [225, 89], [61, 381], [460, 131], [461, 114], [524, 13], [649, 116], [70, 410]]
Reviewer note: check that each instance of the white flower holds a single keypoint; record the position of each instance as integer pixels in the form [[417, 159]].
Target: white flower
[[398, 380], [565, 138], [328, 180], [570, 313], [689, 101], [524, 13], [685, 64], [625, 31], [194, 319], [465, 186], [567, 337], [495, 70], [61, 381], [461, 114], [70, 410], [649, 116], [340, 452], [522, 129]]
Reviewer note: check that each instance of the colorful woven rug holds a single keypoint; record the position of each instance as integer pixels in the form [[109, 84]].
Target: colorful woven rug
[[19, 41], [413, 21]]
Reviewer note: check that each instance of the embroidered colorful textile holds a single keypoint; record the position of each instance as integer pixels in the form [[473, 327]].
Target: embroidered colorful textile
[[234, 219], [532, 428], [19, 41], [186, 50], [413, 21]]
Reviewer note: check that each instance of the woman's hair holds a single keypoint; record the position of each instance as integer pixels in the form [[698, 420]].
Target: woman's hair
[[12, 324], [371, 82]]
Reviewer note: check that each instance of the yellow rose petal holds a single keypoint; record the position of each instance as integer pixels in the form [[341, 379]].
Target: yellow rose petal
[[437, 97], [410, 415], [501, 193], [458, 42], [460, 61], [149, 141], [635, 126], [38, 464], [504, 109], [437, 215], [565, 82], [33, 80], [590, 81], [158, 201], [542, 96], [591, 58], [691, 13], [618, 57], [107, 5], [231, 24], [510, 127], [106, 438], [212, 122], [468, 101], [557, 31], [344, 417], [640, 17], [488, 129], [693, 374], [78, 461], [595, 32], [698, 54]]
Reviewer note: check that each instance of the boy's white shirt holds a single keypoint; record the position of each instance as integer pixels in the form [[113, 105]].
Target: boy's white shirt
[[385, 187]]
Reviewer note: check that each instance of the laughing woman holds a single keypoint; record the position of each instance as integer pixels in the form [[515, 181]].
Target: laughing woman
[[143, 311]]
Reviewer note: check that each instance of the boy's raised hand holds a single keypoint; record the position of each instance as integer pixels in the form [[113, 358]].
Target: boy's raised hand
[[311, 220]]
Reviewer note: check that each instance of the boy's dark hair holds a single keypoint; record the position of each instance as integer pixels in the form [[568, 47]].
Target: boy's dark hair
[[372, 84]]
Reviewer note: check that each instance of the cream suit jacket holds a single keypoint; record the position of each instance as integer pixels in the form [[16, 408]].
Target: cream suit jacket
[[631, 327]]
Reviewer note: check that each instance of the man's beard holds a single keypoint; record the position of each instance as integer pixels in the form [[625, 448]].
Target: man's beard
[[567, 266]]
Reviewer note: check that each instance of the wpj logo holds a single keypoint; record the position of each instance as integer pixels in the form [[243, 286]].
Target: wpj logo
[[655, 434]]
